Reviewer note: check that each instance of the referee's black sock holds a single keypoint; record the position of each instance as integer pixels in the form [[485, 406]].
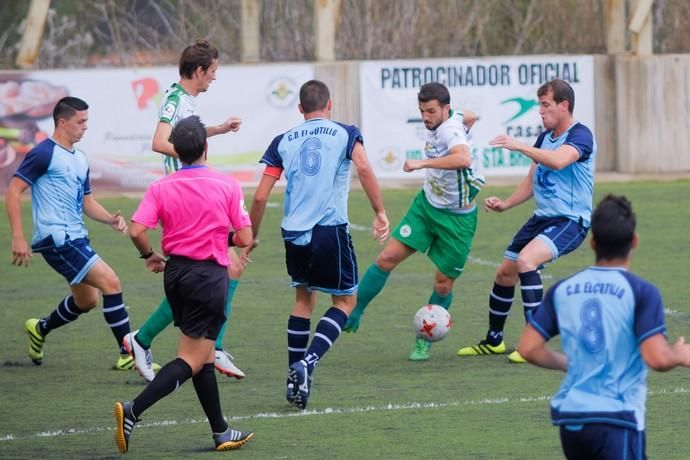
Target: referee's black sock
[[206, 388], [168, 379]]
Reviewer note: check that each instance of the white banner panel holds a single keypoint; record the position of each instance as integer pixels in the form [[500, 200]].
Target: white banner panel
[[123, 115], [501, 90]]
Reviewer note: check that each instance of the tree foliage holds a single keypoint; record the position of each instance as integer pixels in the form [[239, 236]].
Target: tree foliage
[[152, 32]]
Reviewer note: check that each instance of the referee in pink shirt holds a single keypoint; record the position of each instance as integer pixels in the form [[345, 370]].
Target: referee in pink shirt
[[197, 208]]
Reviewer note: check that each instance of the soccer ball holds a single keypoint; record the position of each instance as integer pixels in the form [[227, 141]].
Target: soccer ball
[[432, 322]]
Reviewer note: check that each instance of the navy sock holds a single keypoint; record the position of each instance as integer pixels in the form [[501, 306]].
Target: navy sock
[[116, 316], [327, 332], [531, 289], [206, 388], [297, 338], [500, 301], [168, 379], [66, 312]]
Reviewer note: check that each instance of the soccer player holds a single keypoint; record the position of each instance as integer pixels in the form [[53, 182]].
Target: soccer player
[[612, 327], [197, 209], [316, 157], [561, 180], [442, 218], [198, 65], [58, 174]]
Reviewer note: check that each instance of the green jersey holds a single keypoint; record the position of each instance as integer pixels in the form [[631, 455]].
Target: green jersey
[[450, 189], [177, 105]]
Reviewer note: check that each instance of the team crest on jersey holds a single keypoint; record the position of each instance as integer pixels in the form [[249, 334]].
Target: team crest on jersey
[[169, 109], [405, 231]]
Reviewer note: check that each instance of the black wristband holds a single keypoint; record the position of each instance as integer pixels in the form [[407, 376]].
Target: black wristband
[[147, 255], [231, 237]]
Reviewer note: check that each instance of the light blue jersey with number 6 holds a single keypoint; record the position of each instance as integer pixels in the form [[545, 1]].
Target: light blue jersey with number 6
[[315, 157], [602, 315]]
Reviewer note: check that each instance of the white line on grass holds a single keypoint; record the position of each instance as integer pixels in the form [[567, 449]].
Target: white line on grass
[[311, 413]]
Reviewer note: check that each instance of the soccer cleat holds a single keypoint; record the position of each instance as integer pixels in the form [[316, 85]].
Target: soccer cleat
[[125, 421], [516, 358], [352, 324], [143, 360], [231, 439], [36, 340], [290, 393], [298, 376], [124, 363], [421, 349], [483, 348], [224, 365]]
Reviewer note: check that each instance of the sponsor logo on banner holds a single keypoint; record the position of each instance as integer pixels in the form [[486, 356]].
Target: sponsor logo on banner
[[502, 91], [282, 93], [390, 158]]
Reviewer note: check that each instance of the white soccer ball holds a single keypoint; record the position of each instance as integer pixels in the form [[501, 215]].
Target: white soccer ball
[[432, 322]]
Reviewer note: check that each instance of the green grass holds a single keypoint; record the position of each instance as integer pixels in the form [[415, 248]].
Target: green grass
[[368, 400]]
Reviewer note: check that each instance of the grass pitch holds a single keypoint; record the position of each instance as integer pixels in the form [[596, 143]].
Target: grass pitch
[[368, 400]]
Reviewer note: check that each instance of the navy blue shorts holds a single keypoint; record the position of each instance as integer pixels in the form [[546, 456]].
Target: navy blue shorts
[[560, 234], [599, 441], [327, 263], [197, 291], [73, 259]]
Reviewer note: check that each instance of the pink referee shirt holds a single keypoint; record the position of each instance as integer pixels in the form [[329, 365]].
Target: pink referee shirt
[[197, 208]]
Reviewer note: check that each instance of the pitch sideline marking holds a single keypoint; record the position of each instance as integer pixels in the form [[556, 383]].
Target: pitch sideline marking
[[309, 413]]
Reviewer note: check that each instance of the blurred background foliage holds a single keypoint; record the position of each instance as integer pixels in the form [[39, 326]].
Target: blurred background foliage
[[110, 33]]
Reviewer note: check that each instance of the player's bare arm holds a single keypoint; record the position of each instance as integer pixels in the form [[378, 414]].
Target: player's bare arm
[[555, 159], [522, 193], [256, 213], [381, 225], [533, 348], [662, 356], [161, 140], [21, 252], [154, 261], [459, 157], [97, 212], [469, 118], [231, 124]]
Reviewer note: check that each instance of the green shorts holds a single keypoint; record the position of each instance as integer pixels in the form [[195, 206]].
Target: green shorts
[[443, 236]]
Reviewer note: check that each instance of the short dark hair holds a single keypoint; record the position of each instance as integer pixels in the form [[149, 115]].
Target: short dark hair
[[613, 228], [200, 54], [434, 92], [313, 96], [189, 139], [562, 91], [67, 107]]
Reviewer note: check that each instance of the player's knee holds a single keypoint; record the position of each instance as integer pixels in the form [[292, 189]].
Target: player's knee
[[235, 273], [386, 261], [525, 264], [506, 277], [443, 288], [86, 304], [111, 285]]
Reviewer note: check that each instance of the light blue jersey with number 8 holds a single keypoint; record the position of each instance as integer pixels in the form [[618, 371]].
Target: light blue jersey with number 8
[[602, 315]]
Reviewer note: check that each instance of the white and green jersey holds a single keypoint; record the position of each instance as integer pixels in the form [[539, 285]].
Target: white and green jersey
[[177, 105], [451, 189]]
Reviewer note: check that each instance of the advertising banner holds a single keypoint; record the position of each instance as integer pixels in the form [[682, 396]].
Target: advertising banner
[[123, 113], [501, 90]]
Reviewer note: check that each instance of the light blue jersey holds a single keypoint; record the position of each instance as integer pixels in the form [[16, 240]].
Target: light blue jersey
[[315, 157], [567, 192], [59, 179], [602, 315]]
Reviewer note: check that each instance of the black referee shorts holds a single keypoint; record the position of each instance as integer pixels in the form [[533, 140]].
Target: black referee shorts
[[197, 291]]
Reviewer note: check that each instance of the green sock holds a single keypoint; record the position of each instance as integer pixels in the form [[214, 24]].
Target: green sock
[[232, 285], [159, 320], [369, 287], [436, 299]]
